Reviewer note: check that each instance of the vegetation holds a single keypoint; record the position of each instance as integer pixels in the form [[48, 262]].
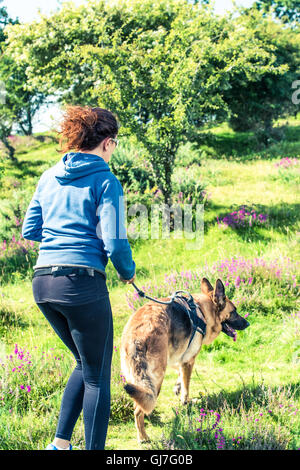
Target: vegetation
[[18, 101], [234, 384], [207, 116], [165, 68]]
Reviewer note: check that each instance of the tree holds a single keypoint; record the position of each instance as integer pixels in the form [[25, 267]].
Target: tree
[[20, 101], [287, 10], [6, 113], [4, 20], [256, 102], [164, 67]]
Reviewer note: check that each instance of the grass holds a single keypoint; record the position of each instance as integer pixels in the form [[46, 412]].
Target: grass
[[255, 378]]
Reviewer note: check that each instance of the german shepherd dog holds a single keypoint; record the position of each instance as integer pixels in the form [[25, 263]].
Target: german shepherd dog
[[157, 335]]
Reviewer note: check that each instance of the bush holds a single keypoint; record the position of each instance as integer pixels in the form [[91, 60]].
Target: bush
[[17, 258], [31, 380], [132, 169], [255, 418], [189, 192]]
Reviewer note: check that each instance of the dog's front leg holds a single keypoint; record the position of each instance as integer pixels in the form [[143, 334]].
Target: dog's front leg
[[185, 375]]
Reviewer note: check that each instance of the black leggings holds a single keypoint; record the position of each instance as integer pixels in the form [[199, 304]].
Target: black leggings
[[87, 330]]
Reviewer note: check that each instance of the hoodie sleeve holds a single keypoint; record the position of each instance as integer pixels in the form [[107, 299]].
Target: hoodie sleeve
[[33, 220], [111, 228]]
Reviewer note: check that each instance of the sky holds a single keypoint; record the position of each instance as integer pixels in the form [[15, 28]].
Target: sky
[[28, 10]]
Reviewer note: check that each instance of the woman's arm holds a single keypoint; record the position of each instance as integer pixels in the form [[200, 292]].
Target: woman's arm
[[33, 220], [111, 228]]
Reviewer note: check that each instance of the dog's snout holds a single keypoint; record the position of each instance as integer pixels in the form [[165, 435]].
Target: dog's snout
[[239, 324]]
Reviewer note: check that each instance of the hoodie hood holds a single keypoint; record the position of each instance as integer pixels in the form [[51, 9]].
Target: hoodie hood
[[74, 165]]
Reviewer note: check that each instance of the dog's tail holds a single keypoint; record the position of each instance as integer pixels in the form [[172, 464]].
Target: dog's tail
[[145, 398]]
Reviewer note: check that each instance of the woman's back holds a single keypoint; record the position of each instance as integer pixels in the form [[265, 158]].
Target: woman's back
[[75, 202]]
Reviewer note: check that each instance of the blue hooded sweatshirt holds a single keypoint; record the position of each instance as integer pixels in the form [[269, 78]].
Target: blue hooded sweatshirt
[[77, 213]]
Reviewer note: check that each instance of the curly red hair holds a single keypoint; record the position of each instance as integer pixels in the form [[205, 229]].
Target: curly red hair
[[84, 127]]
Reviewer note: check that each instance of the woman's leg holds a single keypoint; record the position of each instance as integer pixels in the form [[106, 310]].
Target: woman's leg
[[91, 327], [72, 399], [87, 330]]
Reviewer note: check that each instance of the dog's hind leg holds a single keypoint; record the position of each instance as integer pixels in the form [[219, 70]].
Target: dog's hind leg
[[177, 386], [140, 424], [185, 375]]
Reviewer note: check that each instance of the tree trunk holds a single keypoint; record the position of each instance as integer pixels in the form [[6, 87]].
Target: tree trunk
[[11, 150], [27, 128], [167, 183], [29, 122]]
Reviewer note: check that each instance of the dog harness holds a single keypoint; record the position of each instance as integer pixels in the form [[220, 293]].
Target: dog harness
[[196, 322]]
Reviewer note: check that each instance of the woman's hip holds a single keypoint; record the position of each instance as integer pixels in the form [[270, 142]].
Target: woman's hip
[[72, 288]]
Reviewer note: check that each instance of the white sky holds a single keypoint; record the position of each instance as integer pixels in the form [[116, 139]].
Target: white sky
[[28, 10]]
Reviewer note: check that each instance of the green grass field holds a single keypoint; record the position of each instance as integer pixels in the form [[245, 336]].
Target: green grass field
[[245, 394]]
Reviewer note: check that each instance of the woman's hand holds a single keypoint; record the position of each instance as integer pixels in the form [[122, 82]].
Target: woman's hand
[[127, 281]]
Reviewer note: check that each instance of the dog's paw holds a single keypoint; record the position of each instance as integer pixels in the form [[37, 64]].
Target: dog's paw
[[196, 400], [177, 388], [144, 440], [185, 400]]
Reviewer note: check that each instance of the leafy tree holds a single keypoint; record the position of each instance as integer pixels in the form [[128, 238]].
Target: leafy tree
[[287, 10], [20, 101], [255, 102], [6, 113], [166, 68], [4, 20]]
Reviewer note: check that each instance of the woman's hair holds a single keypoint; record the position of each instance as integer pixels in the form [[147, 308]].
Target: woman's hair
[[83, 127]]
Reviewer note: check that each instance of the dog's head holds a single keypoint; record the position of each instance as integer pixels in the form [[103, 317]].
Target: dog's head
[[226, 316]]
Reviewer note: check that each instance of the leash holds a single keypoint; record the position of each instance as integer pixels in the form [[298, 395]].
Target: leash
[[197, 323]]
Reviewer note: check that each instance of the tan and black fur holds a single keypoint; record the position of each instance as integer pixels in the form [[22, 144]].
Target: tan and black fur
[[157, 336]]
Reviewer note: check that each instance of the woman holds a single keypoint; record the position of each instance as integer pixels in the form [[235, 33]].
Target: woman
[[77, 213]]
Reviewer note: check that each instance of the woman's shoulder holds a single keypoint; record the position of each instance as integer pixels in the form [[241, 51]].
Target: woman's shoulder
[[111, 179]]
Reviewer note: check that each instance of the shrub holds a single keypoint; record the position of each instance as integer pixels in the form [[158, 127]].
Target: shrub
[[31, 380], [243, 279], [132, 169], [242, 217], [256, 418], [17, 258]]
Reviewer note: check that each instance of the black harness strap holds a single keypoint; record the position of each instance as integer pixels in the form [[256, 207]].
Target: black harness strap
[[197, 323]]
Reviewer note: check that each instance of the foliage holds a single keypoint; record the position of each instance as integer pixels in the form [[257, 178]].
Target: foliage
[[255, 102], [241, 381], [263, 418], [19, 102], [4, 20], [6, 112], [287, 10], [22, 102], [131, 167], [243, 216], [165, 68], [243, 279]]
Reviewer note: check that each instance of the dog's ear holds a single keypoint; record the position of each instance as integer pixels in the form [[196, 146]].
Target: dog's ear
[[219, 294], [206, 286]]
